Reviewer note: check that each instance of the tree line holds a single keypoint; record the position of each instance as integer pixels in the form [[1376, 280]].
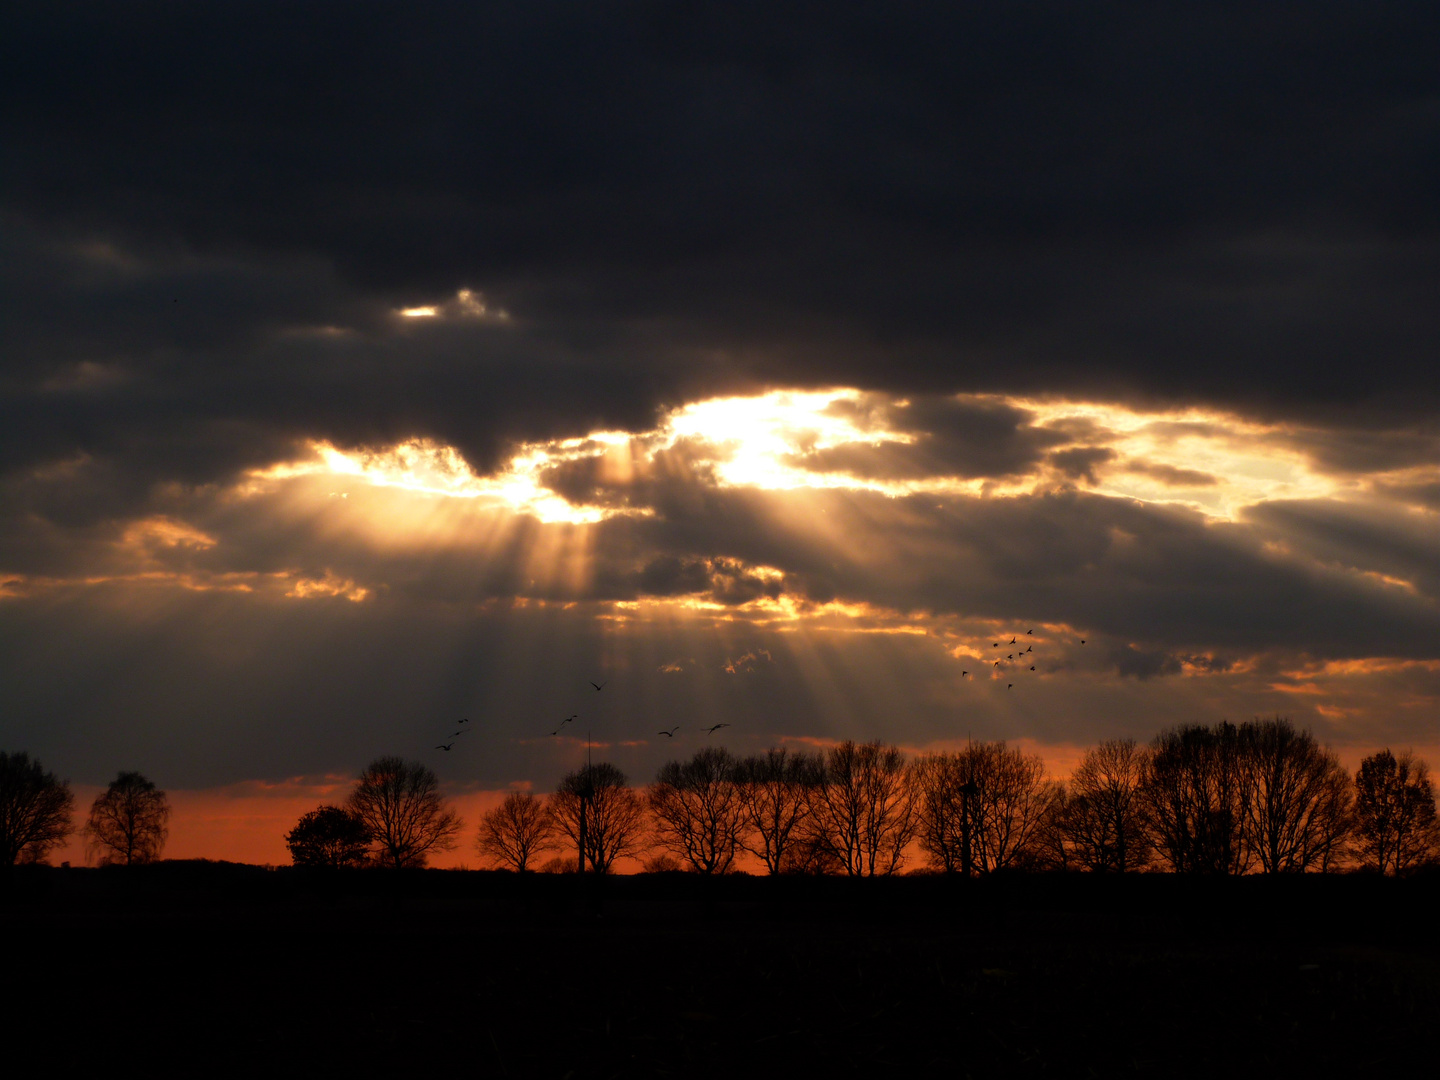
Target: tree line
[[128, 822], [1262, 796]]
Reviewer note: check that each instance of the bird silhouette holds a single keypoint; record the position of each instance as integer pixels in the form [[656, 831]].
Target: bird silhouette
[[1029, 647], [1012, 641], [671, 733], [466, 720], [555, 732], [1010, 656], [997, 663], [1029, 631], [1032, 667], [567, 720], [1010, 686], [964, 674], [601, 686], [994, 645], [1082, 641], [717, 727], [446, 747]]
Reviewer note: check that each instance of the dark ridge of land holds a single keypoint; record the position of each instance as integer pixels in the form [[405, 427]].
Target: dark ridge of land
[[213, 968]]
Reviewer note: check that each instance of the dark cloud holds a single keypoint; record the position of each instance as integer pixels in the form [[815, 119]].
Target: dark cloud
[[1230, 204], [1170, 475], [1080, 463], [948, 437]]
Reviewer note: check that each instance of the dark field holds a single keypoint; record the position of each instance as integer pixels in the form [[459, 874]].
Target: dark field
[[196, 969]]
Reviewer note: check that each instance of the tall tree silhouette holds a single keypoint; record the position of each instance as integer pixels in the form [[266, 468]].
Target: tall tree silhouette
[[981, 809], [516, 831], [1099, 821], [699, 809], [776, 788], [36, 810], [1295, 798], [399, 802], [602, 816], [863, 811], [129, 821], [1395, 819], [1193, 799]]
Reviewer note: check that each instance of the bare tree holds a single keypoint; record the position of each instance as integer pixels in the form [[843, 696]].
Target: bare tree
[[1099, 820], [1395, 820], [1012, 800], [945, 817], [35, 810], [329, 836], [983, 808], [602, 816], [129, 821], [1192, 797], [1295, 799], [699, 809], [776, 788], [863, 812], [399, 802], [516, 831]]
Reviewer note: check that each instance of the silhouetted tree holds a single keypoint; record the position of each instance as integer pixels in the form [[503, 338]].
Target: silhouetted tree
[[129, 821], [1192, 798], [1395, 820], [863, 811], [516, 831], [1098, 818], [945, 817], [35, 810], [982, 809], [399, 802], [597, 801], [1295, 798], [776, 787], [1012, 800], [329, 836], [699, 809]]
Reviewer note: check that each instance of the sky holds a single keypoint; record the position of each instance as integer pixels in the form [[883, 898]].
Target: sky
[[368, 367]]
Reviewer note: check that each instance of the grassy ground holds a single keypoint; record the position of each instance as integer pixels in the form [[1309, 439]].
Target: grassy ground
[[201, 969]]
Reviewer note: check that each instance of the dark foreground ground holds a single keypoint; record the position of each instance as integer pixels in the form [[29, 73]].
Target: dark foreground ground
[[207, 969]]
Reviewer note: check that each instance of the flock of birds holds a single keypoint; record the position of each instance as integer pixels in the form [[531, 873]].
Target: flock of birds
[[670, 734], [447, 747], [1008, 658]]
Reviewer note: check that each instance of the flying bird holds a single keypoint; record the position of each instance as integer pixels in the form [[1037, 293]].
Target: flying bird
[[466, 720], [1032, 667], [1012, 641], [1029, 631], [964, 674], [1010, 686], [671, 733], [1082, 641], [994, 644], [567, 720], [717, 727], [1029, 647], [555, 732], [446, 747], [1010, 656], [601, 686]]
